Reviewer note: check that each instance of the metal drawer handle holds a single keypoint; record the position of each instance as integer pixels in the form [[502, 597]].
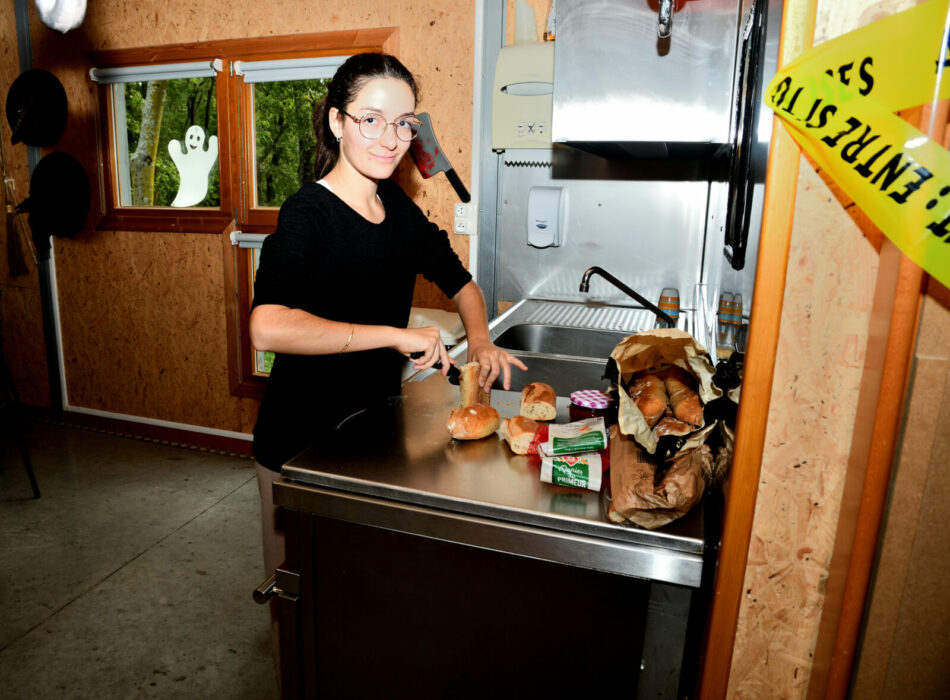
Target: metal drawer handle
[[266, 590]]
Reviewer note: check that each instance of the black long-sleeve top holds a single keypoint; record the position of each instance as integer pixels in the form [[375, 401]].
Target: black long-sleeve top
[[326, 259]]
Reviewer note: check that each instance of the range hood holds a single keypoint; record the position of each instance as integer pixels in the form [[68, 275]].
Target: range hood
[[621, 89]]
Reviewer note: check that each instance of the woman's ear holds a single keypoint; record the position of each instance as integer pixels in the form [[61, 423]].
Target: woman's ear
[[336, 126]]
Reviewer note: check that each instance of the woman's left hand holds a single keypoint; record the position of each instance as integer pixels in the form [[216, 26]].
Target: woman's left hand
[[494, 362]]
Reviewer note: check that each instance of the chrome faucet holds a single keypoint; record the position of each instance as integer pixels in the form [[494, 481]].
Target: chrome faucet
[[591, 271], [664, 25]]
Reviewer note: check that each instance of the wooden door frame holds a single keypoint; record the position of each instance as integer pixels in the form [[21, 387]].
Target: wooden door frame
[[897, 304], [781, 182]]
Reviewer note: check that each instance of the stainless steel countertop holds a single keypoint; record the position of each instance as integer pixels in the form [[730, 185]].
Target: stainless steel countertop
[[400, 452]]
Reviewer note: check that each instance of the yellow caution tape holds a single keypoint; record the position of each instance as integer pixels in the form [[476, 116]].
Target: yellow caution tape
[[839, 101]]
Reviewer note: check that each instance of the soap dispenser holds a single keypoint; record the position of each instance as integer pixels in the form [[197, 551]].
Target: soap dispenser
[[547, 216]]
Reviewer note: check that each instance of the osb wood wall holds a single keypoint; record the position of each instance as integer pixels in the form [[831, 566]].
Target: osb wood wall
[[905, 647], [831, 275], [143, 318], [21, 326], [818, 375]]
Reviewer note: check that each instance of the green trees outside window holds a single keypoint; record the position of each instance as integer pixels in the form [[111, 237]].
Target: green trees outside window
[[284, 138], [160, 111], [156, 113]]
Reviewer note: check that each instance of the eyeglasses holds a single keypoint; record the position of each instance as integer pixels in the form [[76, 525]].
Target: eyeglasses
[[373, 126]]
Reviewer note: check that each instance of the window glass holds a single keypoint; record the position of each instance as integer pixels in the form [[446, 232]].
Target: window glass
[[284, 138], [169, 154]]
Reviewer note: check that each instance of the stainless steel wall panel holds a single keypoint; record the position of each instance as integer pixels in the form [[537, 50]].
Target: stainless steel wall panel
[[648, 233], [615, 81]]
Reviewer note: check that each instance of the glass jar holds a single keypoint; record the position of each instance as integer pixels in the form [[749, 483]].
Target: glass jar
[[592, 403]]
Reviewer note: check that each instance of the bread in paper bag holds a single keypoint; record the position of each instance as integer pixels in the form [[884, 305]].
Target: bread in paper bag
[[669, 353], [634, 496]]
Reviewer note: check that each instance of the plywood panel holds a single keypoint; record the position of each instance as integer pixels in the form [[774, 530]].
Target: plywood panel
[[818, 371], [21, 320], [910, 552], [917, 667], [155, 344]]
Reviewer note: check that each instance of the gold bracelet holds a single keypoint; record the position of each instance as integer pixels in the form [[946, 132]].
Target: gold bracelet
[[346, 346]]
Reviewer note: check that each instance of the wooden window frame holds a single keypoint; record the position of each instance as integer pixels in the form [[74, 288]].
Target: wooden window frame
[[235, 158], [114, 216]]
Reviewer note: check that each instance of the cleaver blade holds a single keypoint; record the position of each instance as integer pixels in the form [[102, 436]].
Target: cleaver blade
[[430, 158]]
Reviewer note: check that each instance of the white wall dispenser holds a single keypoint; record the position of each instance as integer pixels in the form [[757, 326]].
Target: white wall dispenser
[[547, 216], [523, 96]]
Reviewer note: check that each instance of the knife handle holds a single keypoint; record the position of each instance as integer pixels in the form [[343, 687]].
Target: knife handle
[[457, 184]]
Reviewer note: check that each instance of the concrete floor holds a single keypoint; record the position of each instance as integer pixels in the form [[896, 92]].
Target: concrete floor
[[132, 575]]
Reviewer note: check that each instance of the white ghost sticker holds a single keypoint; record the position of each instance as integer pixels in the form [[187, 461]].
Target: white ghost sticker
[[61, 15], [194, 163]]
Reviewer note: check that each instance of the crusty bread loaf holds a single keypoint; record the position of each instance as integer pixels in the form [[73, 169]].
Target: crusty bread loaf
[[473, 422], [470, 393], [538, 401], [669, 425], [519, 433], [649, 393], [683, 397]]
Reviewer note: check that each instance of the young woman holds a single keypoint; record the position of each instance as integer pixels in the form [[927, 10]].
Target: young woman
[[335, 282]]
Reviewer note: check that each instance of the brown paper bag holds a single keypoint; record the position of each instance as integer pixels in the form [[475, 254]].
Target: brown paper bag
[[633, 494], [654, 350]]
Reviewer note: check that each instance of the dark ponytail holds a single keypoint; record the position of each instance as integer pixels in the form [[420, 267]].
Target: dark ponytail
[[348, 80]]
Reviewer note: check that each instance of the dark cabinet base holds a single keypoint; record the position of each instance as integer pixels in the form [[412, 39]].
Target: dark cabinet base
[[410, 616]]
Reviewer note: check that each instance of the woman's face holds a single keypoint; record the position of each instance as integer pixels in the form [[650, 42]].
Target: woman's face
[[374, 158]]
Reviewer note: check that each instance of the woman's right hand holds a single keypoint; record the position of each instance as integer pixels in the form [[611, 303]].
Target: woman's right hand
[[426, 340]]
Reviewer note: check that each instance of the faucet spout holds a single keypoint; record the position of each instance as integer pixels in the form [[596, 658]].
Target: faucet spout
[[591, 271], [664, 25]]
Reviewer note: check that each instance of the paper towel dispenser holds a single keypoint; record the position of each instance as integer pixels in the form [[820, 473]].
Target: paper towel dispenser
[[521, 103], [618, 87]]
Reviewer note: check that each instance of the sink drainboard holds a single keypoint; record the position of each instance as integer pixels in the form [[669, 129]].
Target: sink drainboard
[[611, 318]]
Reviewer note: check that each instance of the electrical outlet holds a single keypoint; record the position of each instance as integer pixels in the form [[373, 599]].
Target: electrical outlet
[[463, 219]]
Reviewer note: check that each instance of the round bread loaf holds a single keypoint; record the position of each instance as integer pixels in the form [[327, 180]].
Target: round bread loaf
[[473, 422]]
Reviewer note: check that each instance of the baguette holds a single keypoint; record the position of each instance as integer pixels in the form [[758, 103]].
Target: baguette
[[473, 422], [538, 401], [683, 397], [669, 425], [648, 391], [519, 434], [470, 393]]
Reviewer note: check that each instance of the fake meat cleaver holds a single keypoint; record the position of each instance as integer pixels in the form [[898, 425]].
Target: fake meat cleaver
[[430, 159]]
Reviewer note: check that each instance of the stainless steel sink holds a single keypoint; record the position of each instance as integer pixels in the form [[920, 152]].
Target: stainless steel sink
[[559, 340], [564, 344], [564, 374]]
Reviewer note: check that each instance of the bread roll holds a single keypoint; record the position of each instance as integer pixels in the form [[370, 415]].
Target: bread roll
[[519, 433], [538, 401], [648, 391], [683, 397], [473, 422], [470, 393]]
